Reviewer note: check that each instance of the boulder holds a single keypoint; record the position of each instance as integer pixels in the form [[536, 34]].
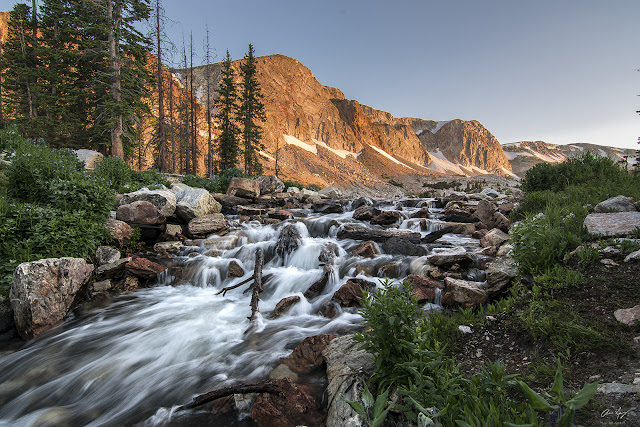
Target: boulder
[[327, 207], [171, 247], [616, 204], [633, 256], [101, 286], [234, 269], [365, 213], [289, 240], [391, 270], [140, 212], [330, 193], [283, 306], [421, 213], [358, 232], [329, 309], [402, 246], [164, 200], [612, 224], [495, 238], [244, 187], [423, 287], [309, 196], [178, 186], [448, 257], [458, 218], [463, 293], [42, 292], [120, 231], [464, 228], [307, 356], [292, 406], [329, 253], [229, 203], [107, 255], [112, 270], [361, 201], [281, 215], [490, 192], [270, 184], [318, 286], [207, 224], [6, 317], [367, 250], [350, 293], [143, 268], [488, 214], [388, 218], [628, 316], [348, 368], [173, 232], [251, 210], [195, 202], [90, 158], [500, 273]]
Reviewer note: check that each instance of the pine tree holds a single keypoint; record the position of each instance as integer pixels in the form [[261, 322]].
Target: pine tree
[[226, 115], [251, 111]]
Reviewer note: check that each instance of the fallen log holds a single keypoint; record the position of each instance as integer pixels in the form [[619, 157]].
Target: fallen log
[[257, 283], [356, 232], [228, 288], [228, 391]]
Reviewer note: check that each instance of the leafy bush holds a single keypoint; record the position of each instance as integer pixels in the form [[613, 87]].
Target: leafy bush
[[289, 183], [577, 170], [215, 184], [409, 355], [31, 232], [82, 194], [34, 167], [122, 179]]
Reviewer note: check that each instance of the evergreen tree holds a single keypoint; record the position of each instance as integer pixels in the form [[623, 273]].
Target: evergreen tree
[[251, 111], [227, 105]]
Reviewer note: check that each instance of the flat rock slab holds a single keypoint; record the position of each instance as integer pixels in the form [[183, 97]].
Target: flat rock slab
[[613, 223]]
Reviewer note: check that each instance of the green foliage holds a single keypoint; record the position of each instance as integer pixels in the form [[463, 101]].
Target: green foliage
[[587, 255], [373, 412], [443, 185], [288, 184], [217, 183], [409, 354], [578, 170], [314, 187], [628, 246], [562, 410], [119, 176]]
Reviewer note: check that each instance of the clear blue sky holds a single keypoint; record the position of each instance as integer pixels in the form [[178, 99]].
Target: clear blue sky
[[561, 71]]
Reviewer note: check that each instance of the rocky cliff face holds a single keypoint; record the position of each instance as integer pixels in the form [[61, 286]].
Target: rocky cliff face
[[469, 144]]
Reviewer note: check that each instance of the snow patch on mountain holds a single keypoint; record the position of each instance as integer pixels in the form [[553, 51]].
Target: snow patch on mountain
[[390, 157]]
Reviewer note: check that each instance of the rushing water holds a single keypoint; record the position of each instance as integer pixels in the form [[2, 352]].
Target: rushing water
[[158, 347]]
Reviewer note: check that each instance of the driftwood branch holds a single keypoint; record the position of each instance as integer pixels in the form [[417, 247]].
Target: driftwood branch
[[228, 391], [257, 283], [228, 288]]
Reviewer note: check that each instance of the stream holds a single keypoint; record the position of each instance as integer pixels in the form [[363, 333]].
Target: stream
[[129, 362]]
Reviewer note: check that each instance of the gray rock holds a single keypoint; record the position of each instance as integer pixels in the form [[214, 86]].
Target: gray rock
[[347, 370], [365, 213], [244, 187], [270, 184], [112, 270], [452, 256], [495, 237], [107, 255], [618, 388], [173, 231], [361, 201], [612, 224], [330, 193], [6, 317], [289, 240], [140, 212], [207, 224], [164, 200], [633, 256], [490, 192], [628, 316], [42, 292], [500, 273], [178, 186], [102, 286], [309, 196], [195, 202], [171, 247], [463, 293], [616, 204], [400, 246], [90, 158], [120, 231], [234, 269], [283, 306]]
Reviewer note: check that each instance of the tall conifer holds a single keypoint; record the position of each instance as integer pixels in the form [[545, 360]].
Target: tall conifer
[[227, 105], [250, 113]]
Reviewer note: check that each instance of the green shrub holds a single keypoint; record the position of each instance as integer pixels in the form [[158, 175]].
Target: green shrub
[[83, 193], [314, 187], [289, 183], [585, 168], [217, 183], [34, 167], [122, 179], [31, 232]]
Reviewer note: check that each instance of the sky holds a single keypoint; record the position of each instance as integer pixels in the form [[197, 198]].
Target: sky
[[560, 71]]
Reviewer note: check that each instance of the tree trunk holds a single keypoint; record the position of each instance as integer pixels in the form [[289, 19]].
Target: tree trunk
[[193, 134], [113, 14], [162, 132]]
